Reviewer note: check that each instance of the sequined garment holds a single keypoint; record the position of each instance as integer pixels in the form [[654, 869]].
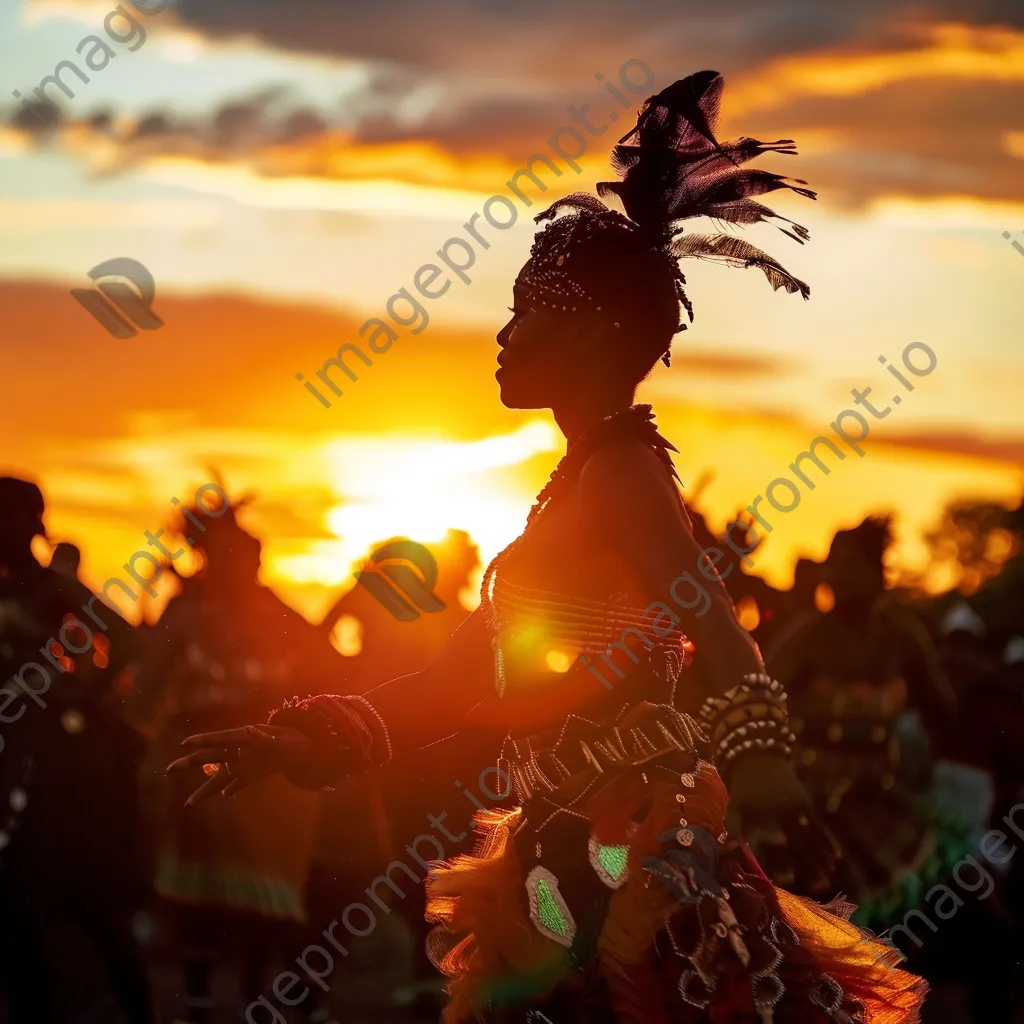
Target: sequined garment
[[568, 908], [523, 616]]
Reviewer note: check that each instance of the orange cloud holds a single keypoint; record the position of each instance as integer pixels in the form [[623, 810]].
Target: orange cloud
[[948, 51], [873, 120], [1014, 144]]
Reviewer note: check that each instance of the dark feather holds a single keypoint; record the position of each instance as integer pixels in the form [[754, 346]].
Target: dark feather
[[739, 253], [749, 211]]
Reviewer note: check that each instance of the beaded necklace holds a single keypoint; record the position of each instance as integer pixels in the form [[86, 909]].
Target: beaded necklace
[[636, 421]]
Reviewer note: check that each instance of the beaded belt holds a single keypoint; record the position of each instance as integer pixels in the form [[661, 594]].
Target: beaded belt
[[546, 762]]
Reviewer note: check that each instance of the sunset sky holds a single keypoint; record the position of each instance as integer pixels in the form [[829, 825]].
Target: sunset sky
[[283, 169]]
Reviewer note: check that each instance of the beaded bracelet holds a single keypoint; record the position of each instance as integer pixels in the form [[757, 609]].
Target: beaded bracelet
[[339, 726], [379, 736], [751, 716]]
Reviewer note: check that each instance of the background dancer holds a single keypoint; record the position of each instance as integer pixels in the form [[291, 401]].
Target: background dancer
[[73, 851], [233, 883], [853, 675]]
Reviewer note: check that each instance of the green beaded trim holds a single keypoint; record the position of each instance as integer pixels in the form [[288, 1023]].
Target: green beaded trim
[[548, 910], [610, 862]]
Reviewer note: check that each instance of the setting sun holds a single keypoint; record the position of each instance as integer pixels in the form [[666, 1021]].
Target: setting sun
[[396, 487]]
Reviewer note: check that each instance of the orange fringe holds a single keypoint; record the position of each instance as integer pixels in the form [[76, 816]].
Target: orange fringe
[[487, 939]]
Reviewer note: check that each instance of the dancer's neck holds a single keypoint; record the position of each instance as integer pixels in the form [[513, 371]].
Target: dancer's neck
[[576, 418]]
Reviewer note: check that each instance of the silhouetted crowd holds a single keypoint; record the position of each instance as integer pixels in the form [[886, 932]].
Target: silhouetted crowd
[[119, 905]]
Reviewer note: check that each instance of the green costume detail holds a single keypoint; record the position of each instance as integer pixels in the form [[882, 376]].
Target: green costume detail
[[610, 862], [548, 910]]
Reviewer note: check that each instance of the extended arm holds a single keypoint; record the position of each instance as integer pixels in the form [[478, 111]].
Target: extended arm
[[316, 741], [429, 705]]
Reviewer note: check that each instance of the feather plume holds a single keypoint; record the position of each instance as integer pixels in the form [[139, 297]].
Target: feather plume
[[673, 168], [672, 165], [738, 253]]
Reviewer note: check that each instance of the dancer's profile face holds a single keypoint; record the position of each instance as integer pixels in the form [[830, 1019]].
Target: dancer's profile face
[[540, 353]]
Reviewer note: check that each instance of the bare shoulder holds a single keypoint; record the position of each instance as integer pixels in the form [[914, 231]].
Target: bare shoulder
[[628, 464], [627, 480], [905, 623]]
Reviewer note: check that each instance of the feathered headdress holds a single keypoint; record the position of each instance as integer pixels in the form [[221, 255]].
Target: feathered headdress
[[673, 168]]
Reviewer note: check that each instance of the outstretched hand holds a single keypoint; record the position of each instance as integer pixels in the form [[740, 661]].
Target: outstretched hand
[[236, 758], [771, 811]]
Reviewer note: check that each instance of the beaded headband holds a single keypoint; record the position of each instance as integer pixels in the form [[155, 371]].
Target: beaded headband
[[547, 273]]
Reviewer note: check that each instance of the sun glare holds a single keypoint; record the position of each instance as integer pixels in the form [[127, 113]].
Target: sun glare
[[418, 489]]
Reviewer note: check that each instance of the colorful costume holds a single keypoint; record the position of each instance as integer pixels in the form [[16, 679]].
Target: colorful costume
[[613, 894]]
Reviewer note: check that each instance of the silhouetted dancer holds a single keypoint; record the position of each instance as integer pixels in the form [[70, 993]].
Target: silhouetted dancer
[[72, 864]]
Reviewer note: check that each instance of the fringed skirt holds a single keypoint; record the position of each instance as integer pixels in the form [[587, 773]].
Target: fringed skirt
[[555, 916]]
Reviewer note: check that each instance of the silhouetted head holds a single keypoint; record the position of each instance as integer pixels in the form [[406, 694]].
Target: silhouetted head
[[21, 518], [807, 574], [965, 645], [598, 302], [457, 557], [855, 568], [231, 555], [605, 327]]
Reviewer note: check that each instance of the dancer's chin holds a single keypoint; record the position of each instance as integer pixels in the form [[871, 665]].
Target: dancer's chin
[[511, 397], [508, 401], [517, 393], [505, 392]]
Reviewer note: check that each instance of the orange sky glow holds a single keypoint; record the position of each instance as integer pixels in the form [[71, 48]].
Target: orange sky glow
[[275, 230]]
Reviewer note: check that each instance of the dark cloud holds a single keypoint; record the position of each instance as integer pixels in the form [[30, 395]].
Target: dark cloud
[[151, 126], [916, 138], [306, 142], [502, 124], [475, 79], [36, 119], [299, 125], [921, 137], [554, 38]]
